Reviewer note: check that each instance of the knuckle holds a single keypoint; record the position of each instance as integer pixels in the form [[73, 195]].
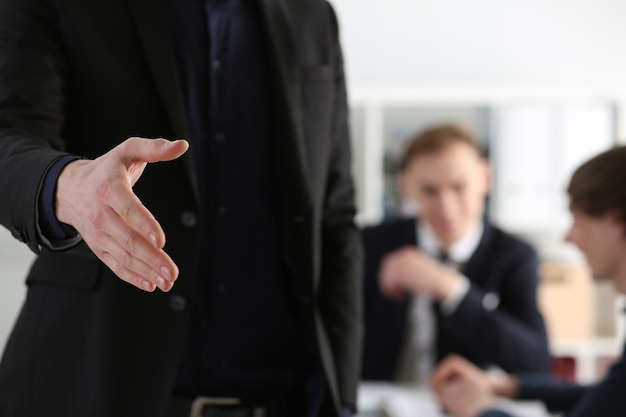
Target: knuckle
[[155, 259], [151, 273], [129, 241], [112, 263], [125, 259], [158, 143], [131, 141], [103, 189], [126, 211], [120, 270], [136, 280]]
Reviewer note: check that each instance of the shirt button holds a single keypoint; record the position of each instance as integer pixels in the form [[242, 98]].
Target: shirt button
[[178, 303], [223, 362], [216, 64], [219, 137], [221, 288], [221, 210], [188, 218]]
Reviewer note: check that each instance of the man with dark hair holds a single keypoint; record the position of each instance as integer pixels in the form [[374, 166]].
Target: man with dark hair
[[597, 193], [480, 301], [252, 306]]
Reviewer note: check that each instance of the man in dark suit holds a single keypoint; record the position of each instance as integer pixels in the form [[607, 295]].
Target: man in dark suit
[[479, 302], [258, 309], [598, 204]]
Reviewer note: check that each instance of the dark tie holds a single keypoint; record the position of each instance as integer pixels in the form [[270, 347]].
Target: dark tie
[[444, 257]]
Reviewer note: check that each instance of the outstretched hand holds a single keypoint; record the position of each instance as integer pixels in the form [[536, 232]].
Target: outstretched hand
[[96, 198]]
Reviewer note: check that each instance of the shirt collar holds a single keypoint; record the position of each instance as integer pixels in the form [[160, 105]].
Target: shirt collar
[[460, 251]]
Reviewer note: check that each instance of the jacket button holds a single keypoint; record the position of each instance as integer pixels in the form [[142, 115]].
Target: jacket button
[[188, 218], [19, 235], [491, 301], [178, 303], [298, 219]]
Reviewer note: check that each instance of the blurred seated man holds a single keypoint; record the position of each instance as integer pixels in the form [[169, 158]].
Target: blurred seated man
[[448, 281], [597, 194]]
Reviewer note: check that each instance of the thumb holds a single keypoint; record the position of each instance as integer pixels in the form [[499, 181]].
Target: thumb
[[137, 150]]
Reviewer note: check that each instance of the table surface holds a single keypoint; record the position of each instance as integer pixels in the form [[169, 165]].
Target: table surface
[[380, 399]]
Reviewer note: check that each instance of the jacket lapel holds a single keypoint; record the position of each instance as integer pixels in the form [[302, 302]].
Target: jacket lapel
[[285, 78], [158, 46], [475, 264]]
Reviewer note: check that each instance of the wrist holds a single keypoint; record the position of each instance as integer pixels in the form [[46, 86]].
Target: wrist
[[448, 285], [64, 190], [504, 385], [49, 225], [487, 403], [450, 304]]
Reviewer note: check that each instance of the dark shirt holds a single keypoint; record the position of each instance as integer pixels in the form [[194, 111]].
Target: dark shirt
[[50, 226], [247, 337]]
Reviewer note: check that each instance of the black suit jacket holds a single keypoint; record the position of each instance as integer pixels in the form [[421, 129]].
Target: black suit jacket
[[81, 76], [513, 336]]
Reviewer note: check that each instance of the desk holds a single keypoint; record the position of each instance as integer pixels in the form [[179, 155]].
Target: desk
[[379, 399]]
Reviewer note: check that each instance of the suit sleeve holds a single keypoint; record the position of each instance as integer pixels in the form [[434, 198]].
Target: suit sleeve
[[32, 101], [496, 413], [506, 330], [605, 399], [385, 319], [340, 289], [558, 396]]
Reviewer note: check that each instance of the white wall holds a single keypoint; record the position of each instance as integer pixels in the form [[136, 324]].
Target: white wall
[[15, 258], [523, 43], [484, 41]]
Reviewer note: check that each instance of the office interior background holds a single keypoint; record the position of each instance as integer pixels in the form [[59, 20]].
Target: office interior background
[[542, 83]]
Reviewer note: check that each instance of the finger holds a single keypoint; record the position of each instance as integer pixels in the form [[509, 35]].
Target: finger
[[439, 381], [455, 367], [443, 398], [139, 248], [124, 274], [447, 370], [117, 266], [386, 271], [134, 253], [394, 292], [450, 392], [392, 279], [120, 261], [408, 250], [137, 269], [134, 214], [151, 150], [463, 365], [386, 282]]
